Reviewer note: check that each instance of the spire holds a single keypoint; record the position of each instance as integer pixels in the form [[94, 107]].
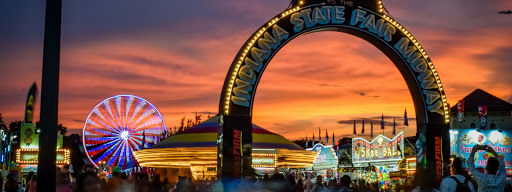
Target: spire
[[382, 122], [326, 137], [371, 129], [406, 121], [362, 131], [355, 127], [319, 135], [394, 125]]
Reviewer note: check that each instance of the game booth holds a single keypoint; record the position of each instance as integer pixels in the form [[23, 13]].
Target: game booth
[[375, 160], [325, 164], [27, 155]]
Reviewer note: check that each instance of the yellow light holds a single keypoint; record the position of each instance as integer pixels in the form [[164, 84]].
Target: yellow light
[[301, 2]]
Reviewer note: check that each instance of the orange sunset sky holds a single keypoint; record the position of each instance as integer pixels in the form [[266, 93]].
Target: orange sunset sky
[[176, 55]]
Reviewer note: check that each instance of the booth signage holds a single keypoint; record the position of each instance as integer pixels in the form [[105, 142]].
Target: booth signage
[[462, 142], [269, 161], [325, 155], [30, 156], [28, 168], [379, 149]]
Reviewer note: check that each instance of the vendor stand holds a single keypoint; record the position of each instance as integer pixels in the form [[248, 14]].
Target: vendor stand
[[325, 164], [462, 142], [375, 160]]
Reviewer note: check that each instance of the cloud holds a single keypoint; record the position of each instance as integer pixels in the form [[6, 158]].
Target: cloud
[[78, 120], [328, 85]]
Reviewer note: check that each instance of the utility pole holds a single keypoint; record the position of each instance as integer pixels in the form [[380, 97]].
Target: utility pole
[[49, 97]]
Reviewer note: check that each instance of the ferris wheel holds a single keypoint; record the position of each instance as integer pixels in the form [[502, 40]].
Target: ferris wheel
[[118, 126]]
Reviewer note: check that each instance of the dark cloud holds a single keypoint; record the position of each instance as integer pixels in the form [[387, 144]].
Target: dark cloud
[[141, 60], [212, 113], [297, 125], [78, 120], [388, 120], [376, 124], [328, 85]]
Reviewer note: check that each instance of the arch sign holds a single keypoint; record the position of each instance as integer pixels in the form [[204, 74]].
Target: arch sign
[[361, 18]]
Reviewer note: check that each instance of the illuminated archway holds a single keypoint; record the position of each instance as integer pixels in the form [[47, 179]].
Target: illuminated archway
[[364, 19]]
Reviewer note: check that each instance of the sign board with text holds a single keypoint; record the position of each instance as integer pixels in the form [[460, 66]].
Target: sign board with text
[[462, 142], [381, 148]]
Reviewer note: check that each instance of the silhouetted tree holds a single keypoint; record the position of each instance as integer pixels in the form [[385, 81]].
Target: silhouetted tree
[[2, 124], [61, 128], [301, 142], [15, 126], [185, 124]]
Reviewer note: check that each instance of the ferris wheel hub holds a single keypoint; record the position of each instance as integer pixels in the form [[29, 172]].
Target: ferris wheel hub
[[125, 135]]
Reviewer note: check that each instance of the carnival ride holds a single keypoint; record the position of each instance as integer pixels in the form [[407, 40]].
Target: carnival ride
[[118, 126]]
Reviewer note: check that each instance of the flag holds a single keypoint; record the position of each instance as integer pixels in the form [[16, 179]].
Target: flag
[[482, 115], [326, 137], [371, 129], [313, 141], [394, 126], [406, 121], [307, 141], [333, 143], [319, 135], [382, 122], [460, 111], [143, 139], [362, 131], [355, 127]]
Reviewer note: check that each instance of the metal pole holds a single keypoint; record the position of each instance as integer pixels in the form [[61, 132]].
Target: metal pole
[[49, 98]]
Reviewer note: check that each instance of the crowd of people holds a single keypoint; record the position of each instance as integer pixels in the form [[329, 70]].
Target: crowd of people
[[460, 180]]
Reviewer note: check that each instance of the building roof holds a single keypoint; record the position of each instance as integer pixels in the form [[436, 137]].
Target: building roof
[[480, 97], [205, 135]]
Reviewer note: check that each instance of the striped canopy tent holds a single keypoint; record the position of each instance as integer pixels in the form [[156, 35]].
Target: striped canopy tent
[[197, 147]]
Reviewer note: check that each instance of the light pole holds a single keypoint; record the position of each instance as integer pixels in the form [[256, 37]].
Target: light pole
[[49, 97]]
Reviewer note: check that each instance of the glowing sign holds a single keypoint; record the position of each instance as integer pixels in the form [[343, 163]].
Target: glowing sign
[[30, 156], [462, 142], [379, 149], [264, 160], [325, 155]]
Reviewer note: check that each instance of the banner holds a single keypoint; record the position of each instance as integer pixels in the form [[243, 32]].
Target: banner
[[462, 142], [29, 105], [380, 148], [482, 115], [460, 111]]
